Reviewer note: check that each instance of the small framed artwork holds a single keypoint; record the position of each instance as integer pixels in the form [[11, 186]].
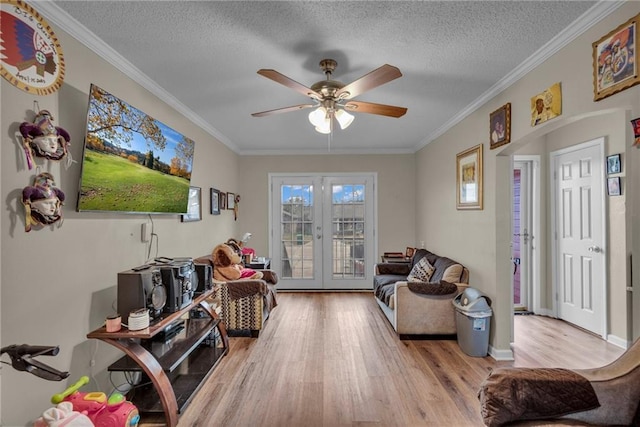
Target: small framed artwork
[[500, 126], [546, 105], [215, 202], [615, 60], [613, 164], [223, 201], [409, 252], [231, 201], [194, 211], [469, 178], [613, 186]]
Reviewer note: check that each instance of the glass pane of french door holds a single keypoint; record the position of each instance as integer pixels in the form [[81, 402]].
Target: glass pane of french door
[[323, 231]]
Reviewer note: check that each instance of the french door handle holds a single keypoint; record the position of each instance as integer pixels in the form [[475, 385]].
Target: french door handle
[[595, 249]]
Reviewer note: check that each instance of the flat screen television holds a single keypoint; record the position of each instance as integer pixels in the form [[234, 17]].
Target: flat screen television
[[131, 162]]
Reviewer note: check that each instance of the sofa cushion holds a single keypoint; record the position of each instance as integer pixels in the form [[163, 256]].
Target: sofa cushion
[[453, 273], [421, 272], [442, 265]]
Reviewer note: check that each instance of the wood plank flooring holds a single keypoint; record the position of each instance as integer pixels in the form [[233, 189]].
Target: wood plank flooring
[[332, 359]]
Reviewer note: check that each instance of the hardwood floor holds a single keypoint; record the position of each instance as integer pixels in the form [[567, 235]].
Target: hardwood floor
[[332, 359]]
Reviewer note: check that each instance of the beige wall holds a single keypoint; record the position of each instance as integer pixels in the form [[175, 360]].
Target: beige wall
[[480, 239], [58, 284]]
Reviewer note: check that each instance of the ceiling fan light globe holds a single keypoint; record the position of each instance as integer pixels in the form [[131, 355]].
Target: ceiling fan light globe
[[325, 126], [344, 119], [318, 116]]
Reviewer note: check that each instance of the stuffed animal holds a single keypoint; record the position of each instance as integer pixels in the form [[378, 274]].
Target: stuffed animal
[[226, 265], [63, 415]]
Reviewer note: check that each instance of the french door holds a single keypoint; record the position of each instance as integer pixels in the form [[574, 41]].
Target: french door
[[323, 231]]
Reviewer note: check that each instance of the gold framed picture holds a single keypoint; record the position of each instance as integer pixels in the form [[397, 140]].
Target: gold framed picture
[[500, 126], [469, 178], [546, 105], [615, 60]]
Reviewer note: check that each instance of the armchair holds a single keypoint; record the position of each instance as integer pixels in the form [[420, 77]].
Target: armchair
[[609, 395], [246, 303]]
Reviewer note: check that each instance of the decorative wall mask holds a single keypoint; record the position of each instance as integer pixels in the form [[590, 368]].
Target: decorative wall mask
[[42, 201], [42, 139]]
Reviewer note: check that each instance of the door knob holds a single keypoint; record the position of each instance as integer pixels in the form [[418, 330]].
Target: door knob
[[595, 249]]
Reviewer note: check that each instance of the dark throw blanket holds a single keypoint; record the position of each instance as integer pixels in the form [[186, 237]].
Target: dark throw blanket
[[441, 288], [510, 394]]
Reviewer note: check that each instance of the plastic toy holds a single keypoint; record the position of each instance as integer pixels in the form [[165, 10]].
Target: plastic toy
[[113, 412]]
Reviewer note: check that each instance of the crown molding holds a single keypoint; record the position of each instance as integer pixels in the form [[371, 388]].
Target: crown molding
[[588, 19], [75, 29]]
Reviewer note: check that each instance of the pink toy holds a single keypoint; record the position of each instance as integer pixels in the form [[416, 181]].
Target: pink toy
[[114, 412]]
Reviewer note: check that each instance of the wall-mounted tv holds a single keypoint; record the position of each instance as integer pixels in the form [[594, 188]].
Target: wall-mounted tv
[[132, 163]]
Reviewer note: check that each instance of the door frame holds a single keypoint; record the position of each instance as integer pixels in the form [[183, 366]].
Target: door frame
[[369, 261], [599, 143], [534, 213]]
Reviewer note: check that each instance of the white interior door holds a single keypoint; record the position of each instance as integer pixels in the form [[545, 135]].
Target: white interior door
[[579, 233], [323, 231]]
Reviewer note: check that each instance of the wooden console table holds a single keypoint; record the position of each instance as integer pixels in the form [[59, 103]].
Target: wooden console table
[[160, 358]]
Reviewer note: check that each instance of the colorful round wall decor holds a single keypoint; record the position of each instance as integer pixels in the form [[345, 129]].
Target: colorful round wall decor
[[31, 56]]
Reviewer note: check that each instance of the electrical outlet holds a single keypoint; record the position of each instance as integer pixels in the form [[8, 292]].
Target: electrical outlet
[[92, 363], [146, 233]]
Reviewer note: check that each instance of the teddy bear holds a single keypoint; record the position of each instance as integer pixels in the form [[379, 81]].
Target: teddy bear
[[227, 265]]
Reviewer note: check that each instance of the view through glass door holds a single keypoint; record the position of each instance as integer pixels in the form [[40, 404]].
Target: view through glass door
[[322, 231]]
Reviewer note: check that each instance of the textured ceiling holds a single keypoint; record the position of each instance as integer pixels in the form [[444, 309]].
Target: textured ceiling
[[205, 55]]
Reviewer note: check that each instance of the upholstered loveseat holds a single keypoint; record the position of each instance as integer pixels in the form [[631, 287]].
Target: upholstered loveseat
[[420, 308], [246, 303]]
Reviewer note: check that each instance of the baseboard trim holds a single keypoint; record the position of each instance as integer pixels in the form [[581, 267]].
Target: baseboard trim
[[501, 355], [617, 341]]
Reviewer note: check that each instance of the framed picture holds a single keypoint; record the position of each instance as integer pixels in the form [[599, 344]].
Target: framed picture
[[223, 201], [500, 126], [215, 202], [231, 201], [615, 60], [546, 105], [613, 164], [409, 252], [194, 212], [469, 178], [613, 186]]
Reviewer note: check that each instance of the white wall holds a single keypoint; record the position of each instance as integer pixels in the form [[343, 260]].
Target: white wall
[[480, 239], [59, 283]]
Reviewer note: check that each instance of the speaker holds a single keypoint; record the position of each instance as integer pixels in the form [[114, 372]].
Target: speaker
[[141, 287], [178, 278], [204, 273]]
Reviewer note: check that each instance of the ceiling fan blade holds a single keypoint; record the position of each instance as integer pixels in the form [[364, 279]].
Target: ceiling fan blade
[[371, 108], [283, 110], [291, 84], [375, 78]]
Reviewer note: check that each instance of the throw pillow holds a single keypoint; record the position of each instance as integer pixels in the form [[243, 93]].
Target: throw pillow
[[421, 272]]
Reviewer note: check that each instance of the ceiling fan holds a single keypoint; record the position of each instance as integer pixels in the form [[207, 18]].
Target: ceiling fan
[[333, 98]]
